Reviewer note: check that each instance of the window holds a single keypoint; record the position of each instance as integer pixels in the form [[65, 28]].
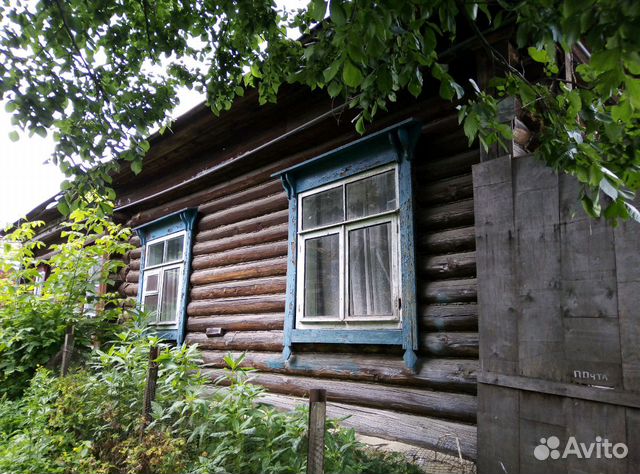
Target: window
[[349, 256], [350, 273], [164, 279]]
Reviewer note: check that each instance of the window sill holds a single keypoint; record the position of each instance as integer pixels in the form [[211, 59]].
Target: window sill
[[348, 336]]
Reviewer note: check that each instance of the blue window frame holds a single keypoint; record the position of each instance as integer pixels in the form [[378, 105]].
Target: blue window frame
[[350, 269], [164, 272]]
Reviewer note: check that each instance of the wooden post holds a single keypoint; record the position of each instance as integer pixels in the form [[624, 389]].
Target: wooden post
[[317, 418], [150, 388], [67, 350]]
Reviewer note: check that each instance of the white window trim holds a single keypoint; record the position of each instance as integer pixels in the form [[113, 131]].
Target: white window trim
[[342, 228], [160, 269]]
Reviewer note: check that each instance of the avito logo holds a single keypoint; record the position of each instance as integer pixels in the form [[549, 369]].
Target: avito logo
[[601, 448]]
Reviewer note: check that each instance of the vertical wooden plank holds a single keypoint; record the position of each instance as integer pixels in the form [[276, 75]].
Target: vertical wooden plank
[[540, 332], [495, 248], [290, 298], [67, 350], [498, 432], [633, 438], [317, 419], [627, 249]]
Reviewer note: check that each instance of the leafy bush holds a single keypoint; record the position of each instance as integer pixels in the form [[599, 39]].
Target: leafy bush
[[90, 421]]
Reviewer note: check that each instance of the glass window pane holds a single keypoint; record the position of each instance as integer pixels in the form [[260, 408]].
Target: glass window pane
[[151, 283], [170, 289], [154, 254], [370, 271], [323, 208], [371, 195], [174, 249], [151, 306], [321, 270]]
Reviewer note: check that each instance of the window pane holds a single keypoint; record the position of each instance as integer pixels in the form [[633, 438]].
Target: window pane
[[371, 195], [151, 306], [154, 254], [370, 271], [151, 283], [321, 270], [170, 290], [174, 249], [322, 208]]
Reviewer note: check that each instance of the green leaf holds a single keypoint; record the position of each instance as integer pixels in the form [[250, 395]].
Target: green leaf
[[317, 9], [351, 74], [633, 91], [13, 136], [538, 55], [360, 125], [334, 88], [10, 107], [337, 12], [136, 166], [331, 71], [633, 211]]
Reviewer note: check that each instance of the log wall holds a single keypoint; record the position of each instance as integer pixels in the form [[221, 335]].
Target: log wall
[[238, 284]]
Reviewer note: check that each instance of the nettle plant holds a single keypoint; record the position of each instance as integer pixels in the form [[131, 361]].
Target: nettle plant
[[35, 312]]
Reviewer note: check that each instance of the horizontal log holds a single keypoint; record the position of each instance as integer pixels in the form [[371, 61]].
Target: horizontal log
[[246, 195], [259, 207], [450, 291], [270, 234], [241, 255], [129, 289], [450, 344], [239, 340], [249, 226], [239, 322], [428, 432], [446, 124], [132, 276], [458, 265], [134, 254], [447, 190], [444, 374], [260, 286], [449, 317], [456, 214], [134, 264], [448, 241], [457, 406], [461, 163], [256, 304], [263, 268], [135, 241], [447, 144]]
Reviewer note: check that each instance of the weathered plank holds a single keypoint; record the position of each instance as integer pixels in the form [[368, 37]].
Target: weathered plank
[[239, 340], [449, 291], [447, 374], [242, 212], [446, 216], [408, 400], [449, 317], [240, 255], [237, 322], [244, 305], [446, 190], [263, 268], [259, 286], [262, 190], [450, 344], [461, 163]]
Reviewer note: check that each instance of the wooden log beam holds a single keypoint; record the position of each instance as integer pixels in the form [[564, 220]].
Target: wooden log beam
[[129, 289], [457, 406], [428, 432], [443, 374], [433, 170], [134, 254], [248, 226], [446, 190], [263, 268], [239, 340], [449, 291], [241, 255], [260, 207], [132, 276], [448, 241], [255, 304], [450, 344], [449, 317], [458, 265], [254, 193], [270, 234], [446, 216], [237, 322], [259, 286], [134, 265]]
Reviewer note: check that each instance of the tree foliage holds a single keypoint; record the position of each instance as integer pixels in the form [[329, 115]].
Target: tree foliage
[[110, 71]]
